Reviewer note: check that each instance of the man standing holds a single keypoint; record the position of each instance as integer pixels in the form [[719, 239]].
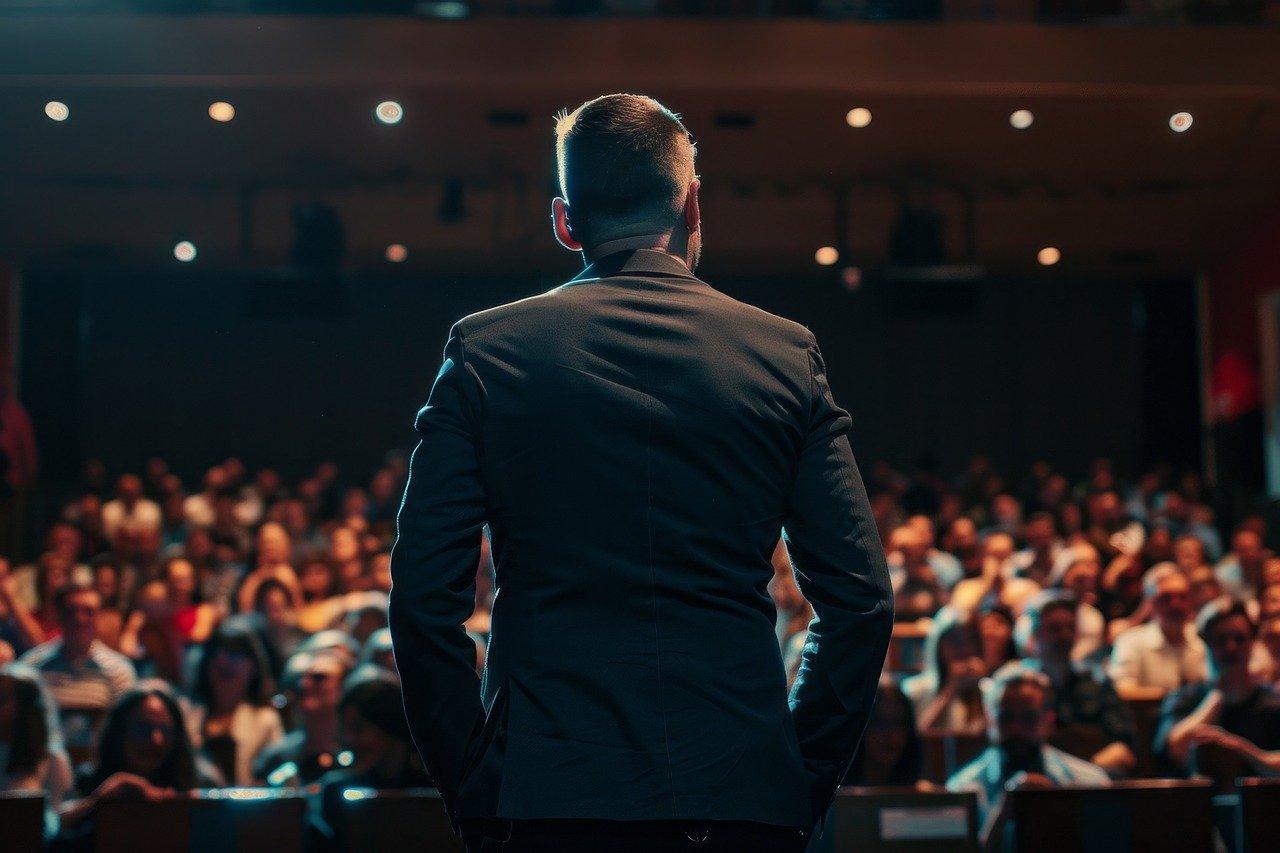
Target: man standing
[[636, 440]]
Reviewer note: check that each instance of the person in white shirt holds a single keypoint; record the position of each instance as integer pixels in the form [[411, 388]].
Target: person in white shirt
[[1165, 653], [32, 757], [130, 513]]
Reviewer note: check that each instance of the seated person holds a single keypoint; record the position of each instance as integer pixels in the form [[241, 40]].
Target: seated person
[[1021, 709], [233, 721], [890, 753], [917, 590], [84, 677], [1165, 653], [144, 752], [31, 755], [375, 739], [1086, 707], [996, 584], [1236, 710], [313, 682], [946, 695]]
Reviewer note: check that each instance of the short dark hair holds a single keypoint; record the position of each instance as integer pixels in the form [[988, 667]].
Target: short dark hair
[[69, 589], [622, 160], [1219, 610]]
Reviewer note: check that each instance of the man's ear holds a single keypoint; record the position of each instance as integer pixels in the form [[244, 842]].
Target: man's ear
[[692, 210], [560, 225]]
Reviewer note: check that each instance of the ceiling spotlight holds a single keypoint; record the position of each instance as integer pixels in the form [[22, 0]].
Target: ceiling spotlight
[[858, 117], [1048, 256], [185, 251], [57, 111], [1021, 119], [396, 253], [1180, 122], [221, 111], [826, 256], [389, 112]]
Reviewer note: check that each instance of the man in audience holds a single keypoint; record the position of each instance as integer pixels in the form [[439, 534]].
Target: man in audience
[[130, 514], [1087, 710], [84, 677], [1163, 654], [1020, 706], [1241, 570], [1236, 711]]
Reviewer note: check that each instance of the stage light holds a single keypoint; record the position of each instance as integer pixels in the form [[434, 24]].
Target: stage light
[[57, 111], [185, 251], [1048, 256], [389, 112], [396, 253], [1021, 119], [858, 117], [353, 795], [221, 111], [1180, 122], [827, 255]]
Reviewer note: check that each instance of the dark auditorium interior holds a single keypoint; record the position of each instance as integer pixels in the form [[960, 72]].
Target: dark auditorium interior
[[1039, 241]]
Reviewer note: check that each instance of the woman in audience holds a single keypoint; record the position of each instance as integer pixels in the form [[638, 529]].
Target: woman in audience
[[110, 587], [234, 721], [143, 752], [31, 754], [151, 637], [193, 619], [890, 753], [276, 609], [947, 695]]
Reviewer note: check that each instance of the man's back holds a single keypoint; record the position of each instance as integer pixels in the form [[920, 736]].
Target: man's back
[[638, 441]]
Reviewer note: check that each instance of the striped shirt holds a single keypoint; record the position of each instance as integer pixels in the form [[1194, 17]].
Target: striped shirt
[[83, 690]]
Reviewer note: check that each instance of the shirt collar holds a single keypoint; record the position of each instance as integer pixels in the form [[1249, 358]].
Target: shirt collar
[[633, 261]]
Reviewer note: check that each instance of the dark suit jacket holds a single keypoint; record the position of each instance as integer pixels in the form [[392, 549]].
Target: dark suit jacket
[[635, 440]]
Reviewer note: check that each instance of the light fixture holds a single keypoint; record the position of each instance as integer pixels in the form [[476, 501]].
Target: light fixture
[[389, 112], [221, 111], [852, 278], [185, 251], [826, 256], [1048, 256], [1180, 122], [1021, 119], [858, 117], [57, 111], [396, 253]]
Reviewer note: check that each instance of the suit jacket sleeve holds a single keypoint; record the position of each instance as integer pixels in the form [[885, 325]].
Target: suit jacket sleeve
[[840, 567], [433, 572]]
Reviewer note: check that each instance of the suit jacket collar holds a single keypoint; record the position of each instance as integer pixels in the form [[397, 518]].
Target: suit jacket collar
[[635, 262]]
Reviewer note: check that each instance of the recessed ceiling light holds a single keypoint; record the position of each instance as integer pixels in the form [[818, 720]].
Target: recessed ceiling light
[[221, 111], [389, 112], [1021, 119], [1180, 122], [185, 251], [858, 117], [827, 255], [1048, 256], [57, 111]]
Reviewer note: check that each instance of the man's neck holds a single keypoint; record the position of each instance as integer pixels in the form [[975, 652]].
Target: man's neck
[[1174, 634], [660, 242], [1056, 668], [76, 652]]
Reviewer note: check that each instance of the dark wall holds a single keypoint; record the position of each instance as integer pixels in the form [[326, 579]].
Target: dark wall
[[195, 365]]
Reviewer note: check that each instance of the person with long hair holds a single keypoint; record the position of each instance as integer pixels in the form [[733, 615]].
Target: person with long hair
[[144, 751], [947, 693], [32, 757], [233, 721]]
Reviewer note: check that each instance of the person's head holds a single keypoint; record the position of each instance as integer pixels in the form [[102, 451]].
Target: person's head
[[1051, 622], [1040, 531], [912, 543], [106, 580], [1020, 708], [344, 545], [1205, 586], [145, 734], [1247, 546], [372, 718], [1269, 600], [1189, 553], [215, 480], [1082, 572], [953, 637], [318, 578], [380, 570], [625, 165], [998, 546], [65, 540], [315, 679], [995, 635], [1269, 636], [1228, 630], [274, 545], [1170, 594], [924, 524], [179, 579], [276, 604], [379, 651], [129, 488], [233, 669], [28, 720], [77, 605]]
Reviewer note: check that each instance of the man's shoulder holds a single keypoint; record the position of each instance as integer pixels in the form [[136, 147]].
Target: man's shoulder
[[1066, 769], [42, 655], [1139, 636], [108, 659], [974, 773]]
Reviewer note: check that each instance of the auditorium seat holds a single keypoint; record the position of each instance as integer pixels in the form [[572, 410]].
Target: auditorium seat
[[906, 646], [377, 821], [21, 821], [234, 820], [1259, 814], [1167, 815], [900, 819]]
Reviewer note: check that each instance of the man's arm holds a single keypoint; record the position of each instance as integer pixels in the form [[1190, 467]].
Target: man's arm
[[433, 572], [840, 566]]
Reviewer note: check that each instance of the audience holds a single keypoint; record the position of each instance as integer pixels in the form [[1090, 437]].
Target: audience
[[1031, 617]]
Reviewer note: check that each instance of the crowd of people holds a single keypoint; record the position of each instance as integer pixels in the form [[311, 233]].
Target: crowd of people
[[168, 640]]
